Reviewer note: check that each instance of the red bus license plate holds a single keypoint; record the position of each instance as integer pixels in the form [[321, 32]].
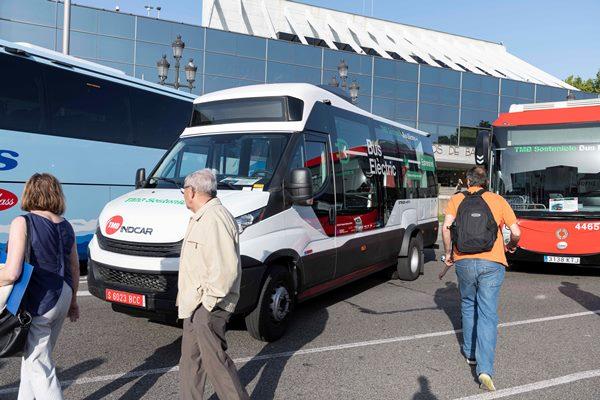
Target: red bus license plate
[[131, 299]]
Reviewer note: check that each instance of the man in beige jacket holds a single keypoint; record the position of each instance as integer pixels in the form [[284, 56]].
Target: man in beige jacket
[[209, 287]]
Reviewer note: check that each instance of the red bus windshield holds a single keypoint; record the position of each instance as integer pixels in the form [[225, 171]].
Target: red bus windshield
[[548, 170]]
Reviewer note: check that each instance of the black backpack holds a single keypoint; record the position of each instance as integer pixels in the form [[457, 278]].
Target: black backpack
[[474, 230]]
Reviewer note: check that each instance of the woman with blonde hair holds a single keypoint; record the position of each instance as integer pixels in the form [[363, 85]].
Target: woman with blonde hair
[[51, 294]]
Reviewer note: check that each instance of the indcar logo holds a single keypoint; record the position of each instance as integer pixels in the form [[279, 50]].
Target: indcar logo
[[113, 224], [7, 199]]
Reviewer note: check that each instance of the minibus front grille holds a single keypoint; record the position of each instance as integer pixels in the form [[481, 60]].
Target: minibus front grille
[[140, 280], [161, 250]]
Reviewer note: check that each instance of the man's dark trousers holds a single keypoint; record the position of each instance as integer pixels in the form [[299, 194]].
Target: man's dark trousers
[[203, 354]]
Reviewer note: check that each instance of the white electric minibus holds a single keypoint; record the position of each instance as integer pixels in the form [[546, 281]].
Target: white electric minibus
[[323, 193]]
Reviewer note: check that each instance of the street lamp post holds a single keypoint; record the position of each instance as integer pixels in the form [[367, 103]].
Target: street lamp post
[[190, 69], [343, 73]]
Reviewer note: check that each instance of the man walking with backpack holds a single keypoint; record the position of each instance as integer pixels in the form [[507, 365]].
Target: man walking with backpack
[[473, 243]]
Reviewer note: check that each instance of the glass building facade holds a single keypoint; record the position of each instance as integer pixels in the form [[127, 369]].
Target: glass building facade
[[449, 104]]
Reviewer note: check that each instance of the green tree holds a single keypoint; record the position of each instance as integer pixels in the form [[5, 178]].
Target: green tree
[[589, 85]]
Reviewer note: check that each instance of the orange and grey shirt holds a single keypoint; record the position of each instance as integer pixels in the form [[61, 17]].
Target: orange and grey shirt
[[503, 215]]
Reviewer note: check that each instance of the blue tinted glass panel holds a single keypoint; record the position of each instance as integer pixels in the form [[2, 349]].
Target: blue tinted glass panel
[[34, 11], [396, 69], [470, 117], [214, 83], [395, 110], [278, 72], [152, 30], [238, 67], [236, 44], [480, 83], [506, 102], [82, 44], [436, 113], [440, 76], [439, 95], [193, 36], [294, 53], [113, 49], [549, 93], [517, 89], [20, 32], [82, 18], [480, 100], [584, 95], [364, 82], [149, 53], [356, 63], [442, 134], [394, 89], [115, 24]]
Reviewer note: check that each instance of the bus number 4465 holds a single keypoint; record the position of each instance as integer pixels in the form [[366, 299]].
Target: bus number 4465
[[588, 227]]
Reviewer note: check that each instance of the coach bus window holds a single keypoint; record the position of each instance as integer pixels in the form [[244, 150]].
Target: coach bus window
[[20, 105], [158, 120], [356, 185], [85, 107]]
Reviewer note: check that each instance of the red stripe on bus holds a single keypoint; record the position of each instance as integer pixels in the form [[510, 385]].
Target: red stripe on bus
[[313, 291]]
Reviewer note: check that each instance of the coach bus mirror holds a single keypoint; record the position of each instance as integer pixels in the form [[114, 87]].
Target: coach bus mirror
[[299, 186], [482, 147], [140, 178]]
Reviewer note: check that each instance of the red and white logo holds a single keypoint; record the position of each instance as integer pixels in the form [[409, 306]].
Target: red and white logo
[[7, 199], [113, 224]]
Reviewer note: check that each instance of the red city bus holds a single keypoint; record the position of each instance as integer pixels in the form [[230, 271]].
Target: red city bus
[[545, 160]]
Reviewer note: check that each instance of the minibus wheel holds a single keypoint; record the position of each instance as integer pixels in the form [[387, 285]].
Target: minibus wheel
[[409, 267], [269, 320]]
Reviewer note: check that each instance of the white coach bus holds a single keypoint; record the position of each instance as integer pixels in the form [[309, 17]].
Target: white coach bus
[[323, 192]]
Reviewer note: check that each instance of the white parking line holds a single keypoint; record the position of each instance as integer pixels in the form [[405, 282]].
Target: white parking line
[[243, 360], [83, 293], [530, 387]]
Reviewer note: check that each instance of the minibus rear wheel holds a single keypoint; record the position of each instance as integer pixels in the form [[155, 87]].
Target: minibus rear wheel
[[409, 267], [269, 320]]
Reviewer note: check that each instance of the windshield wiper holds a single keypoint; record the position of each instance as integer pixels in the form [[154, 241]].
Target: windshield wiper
[[173, 181]]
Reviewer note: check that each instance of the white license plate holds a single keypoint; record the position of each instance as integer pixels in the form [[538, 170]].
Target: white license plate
[[562, 260]]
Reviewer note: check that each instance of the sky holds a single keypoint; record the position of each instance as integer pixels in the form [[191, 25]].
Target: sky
[[560, 37]]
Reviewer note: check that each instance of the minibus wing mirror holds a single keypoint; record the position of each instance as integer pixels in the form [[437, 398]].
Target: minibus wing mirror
[[482, 148], [140, 178], [299, 186]]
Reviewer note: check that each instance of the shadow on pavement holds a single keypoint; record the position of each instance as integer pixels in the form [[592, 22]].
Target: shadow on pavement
[[164, 357], [65, 375], [424, 392], [588, 300], [301, 333]]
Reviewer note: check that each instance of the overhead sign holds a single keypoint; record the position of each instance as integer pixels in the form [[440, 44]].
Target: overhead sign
[[454, 154]]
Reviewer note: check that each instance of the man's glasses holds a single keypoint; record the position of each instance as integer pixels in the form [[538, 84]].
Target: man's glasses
[[183, 189]]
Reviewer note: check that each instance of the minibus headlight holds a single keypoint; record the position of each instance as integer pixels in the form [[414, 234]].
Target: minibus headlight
[[244, 221]]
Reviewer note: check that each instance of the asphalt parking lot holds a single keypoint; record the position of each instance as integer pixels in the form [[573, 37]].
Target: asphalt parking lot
[[373, 339]]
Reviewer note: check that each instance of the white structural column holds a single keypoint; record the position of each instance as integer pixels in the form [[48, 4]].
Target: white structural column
[[389, 44], [345, 35], [293, 25]]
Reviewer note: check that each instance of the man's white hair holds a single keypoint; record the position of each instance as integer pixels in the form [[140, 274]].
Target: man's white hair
[[202, 181]]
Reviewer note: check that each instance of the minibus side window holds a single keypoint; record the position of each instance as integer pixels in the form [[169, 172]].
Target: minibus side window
[[358, 188]]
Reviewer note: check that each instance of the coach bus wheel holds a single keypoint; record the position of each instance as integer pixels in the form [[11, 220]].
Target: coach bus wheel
[[409, 267], [269, 320]]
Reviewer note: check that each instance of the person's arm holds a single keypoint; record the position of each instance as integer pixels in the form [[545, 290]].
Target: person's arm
[[16, 252], [74, 261], [223, 262], [510, 220], [447, 239]]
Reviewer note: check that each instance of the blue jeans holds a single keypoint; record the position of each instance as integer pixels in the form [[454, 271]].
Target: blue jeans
[[479, 282]]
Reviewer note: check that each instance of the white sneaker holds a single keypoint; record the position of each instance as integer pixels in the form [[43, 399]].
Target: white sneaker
[[486, 382]]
